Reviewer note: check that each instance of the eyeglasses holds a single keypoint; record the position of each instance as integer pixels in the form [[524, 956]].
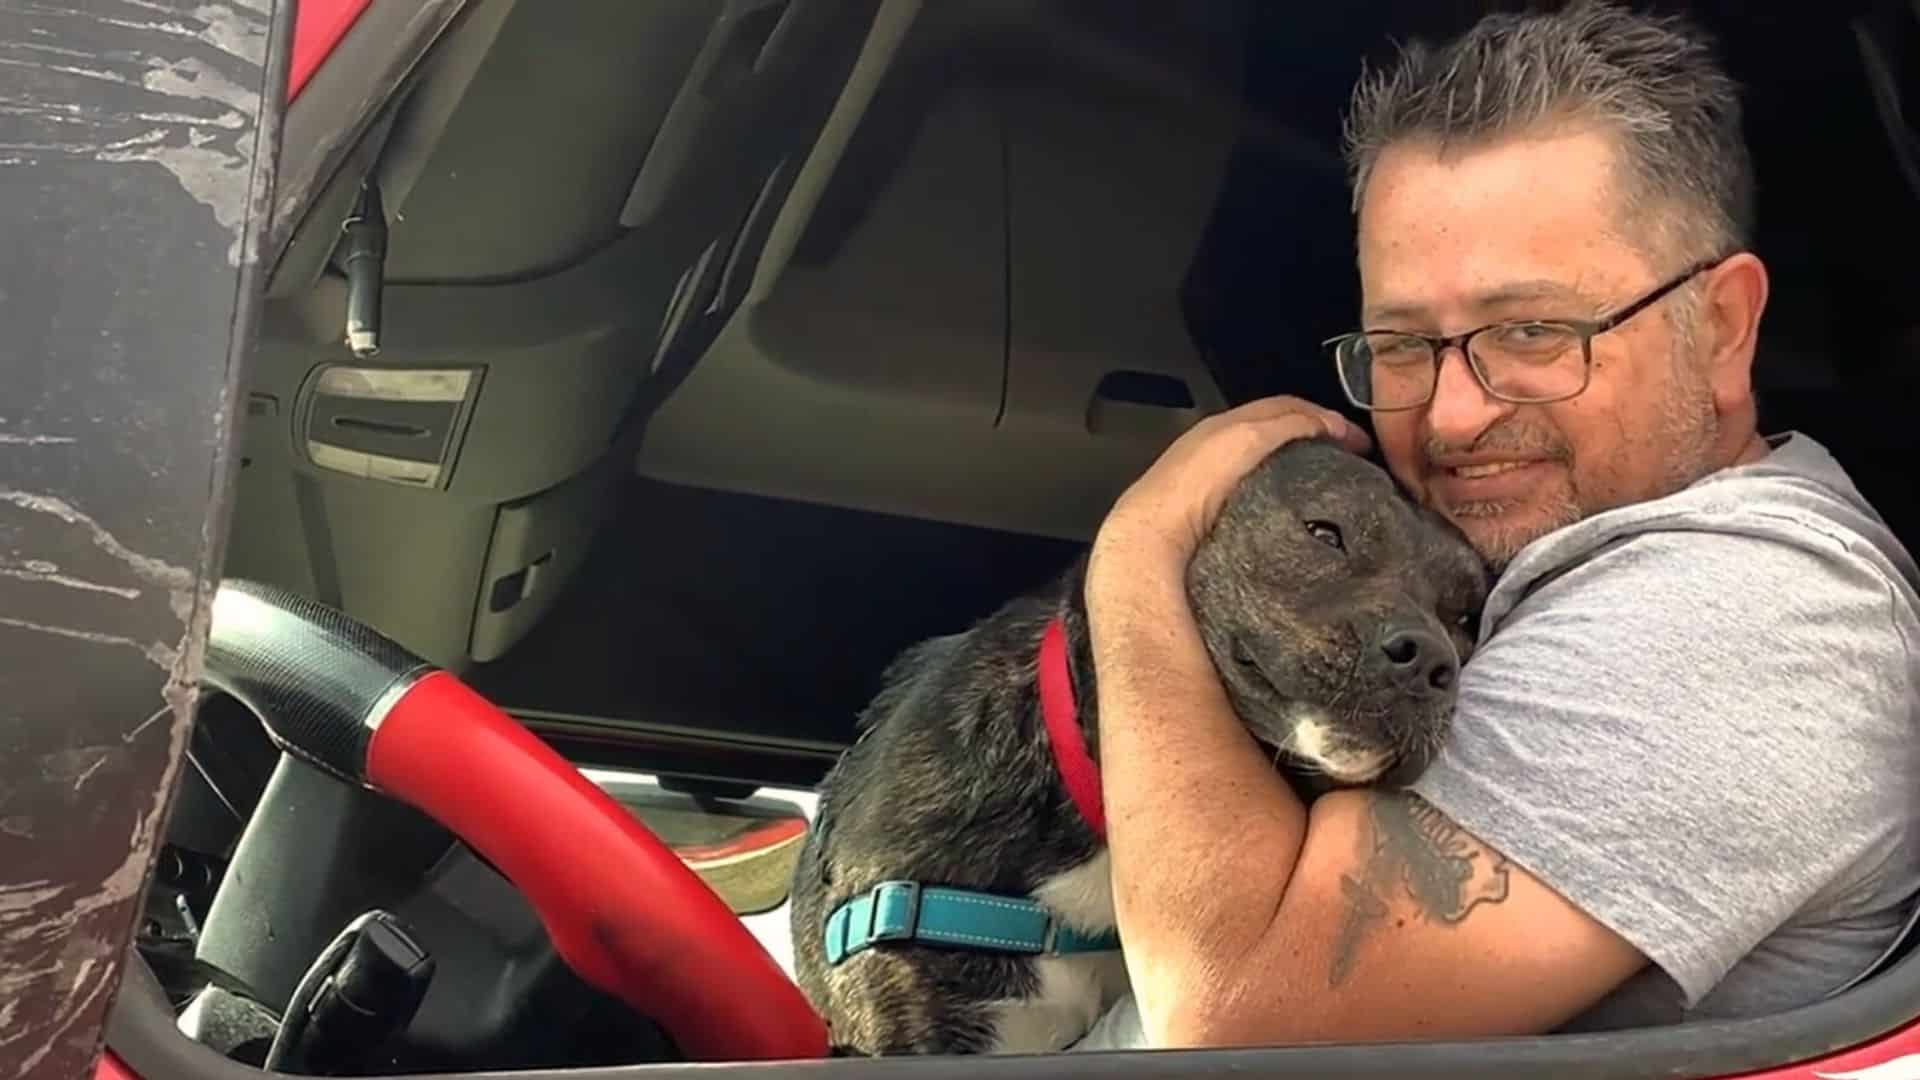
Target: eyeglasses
[[1526, 362]]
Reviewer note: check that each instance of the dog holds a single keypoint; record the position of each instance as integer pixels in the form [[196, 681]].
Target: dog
[[953, 896]]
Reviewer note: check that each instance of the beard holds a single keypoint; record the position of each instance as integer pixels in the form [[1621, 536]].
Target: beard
[[1499, 531], [1690, 426], [1682, 437]]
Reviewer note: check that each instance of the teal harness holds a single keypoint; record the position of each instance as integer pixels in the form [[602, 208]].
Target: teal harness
[[909, 911], [897, 911]]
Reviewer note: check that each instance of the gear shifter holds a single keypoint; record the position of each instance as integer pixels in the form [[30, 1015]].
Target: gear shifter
[[362, 989]]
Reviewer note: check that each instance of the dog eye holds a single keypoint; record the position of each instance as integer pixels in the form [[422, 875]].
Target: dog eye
[[1469, 624], [1327, 533]]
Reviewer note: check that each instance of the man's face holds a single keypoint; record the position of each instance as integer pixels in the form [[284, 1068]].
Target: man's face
[[1527, 229]]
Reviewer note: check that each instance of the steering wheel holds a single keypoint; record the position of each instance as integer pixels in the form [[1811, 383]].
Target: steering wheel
[[623, 911]]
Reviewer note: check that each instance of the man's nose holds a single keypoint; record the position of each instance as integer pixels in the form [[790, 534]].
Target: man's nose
[[1461, 409]]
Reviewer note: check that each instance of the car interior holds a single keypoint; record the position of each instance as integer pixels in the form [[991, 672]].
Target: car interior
[[709, 353]]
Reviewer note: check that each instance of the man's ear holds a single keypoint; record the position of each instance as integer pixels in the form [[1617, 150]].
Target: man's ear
[[1733, 296]]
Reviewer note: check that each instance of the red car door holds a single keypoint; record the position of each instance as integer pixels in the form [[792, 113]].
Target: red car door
[[137, 159]]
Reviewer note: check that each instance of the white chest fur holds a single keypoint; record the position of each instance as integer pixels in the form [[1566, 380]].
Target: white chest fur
[[1074, 990]]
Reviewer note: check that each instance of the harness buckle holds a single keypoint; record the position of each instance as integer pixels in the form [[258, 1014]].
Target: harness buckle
[[894, 914]]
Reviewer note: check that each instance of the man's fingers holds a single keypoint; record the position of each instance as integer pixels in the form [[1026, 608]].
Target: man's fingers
[[1172, 505], [1282, 408], [1267, 435], [1353, 436]]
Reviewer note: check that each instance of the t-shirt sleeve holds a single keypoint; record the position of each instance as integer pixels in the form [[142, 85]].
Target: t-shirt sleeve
[[1681, 734]]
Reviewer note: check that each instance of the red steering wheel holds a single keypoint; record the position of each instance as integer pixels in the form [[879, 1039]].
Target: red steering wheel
[[623, 911]]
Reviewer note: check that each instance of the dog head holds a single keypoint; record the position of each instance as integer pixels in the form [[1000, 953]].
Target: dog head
[[1337, 613]]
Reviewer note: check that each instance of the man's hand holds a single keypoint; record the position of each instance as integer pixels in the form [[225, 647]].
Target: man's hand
[[1162, 517]]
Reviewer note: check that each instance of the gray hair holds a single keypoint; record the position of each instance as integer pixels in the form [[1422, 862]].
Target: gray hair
[[1651, 81]]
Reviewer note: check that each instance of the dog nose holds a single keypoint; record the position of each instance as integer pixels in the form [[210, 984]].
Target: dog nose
[[1421, 659]]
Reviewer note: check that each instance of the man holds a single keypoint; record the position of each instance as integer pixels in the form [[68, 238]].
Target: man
[[1678, 784]]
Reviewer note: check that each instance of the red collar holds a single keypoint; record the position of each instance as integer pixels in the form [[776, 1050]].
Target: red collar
[[1076, 767]]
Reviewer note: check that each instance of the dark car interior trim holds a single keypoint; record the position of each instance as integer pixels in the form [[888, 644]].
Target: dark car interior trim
[[141, 1030]]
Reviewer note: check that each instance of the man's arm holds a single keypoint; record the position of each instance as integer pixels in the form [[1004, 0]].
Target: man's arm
[[1662, 749], [1373, 916], [1405, 925]]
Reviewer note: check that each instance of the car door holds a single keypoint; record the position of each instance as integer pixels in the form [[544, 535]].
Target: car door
[[137, 152]]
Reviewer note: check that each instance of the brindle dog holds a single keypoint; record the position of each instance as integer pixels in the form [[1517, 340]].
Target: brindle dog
[[1337, 614]]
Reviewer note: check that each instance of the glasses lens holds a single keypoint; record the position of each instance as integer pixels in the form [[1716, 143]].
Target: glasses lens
[[1530, 361], [1386, 371]]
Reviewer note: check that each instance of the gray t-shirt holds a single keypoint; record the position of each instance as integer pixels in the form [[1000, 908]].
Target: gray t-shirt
[[1695, 719]]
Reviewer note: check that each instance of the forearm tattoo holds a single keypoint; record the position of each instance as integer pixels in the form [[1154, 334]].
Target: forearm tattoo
[[1414, 848]]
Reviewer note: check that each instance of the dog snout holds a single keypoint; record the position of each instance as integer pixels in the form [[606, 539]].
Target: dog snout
[[1409, 766], [1420, 660]]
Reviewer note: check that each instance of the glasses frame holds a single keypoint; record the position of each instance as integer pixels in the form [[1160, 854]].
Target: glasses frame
[[1585, 329]]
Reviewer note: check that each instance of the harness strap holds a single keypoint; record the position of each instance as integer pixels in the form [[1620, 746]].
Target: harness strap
[[905, 911], [1079, 773]]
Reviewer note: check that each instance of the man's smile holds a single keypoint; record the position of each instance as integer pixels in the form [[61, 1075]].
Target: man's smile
[[1474, 472], [1486, 481]]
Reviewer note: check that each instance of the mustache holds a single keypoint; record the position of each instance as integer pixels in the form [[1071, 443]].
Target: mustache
[[1525, 440]]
